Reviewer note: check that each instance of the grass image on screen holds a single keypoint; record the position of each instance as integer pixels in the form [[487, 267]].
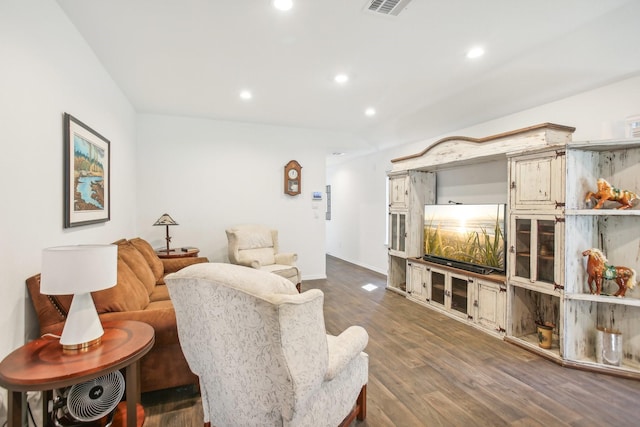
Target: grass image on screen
[[469, 233]]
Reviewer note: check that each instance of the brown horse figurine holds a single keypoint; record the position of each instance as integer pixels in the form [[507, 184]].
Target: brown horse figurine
[[608, 192], [598, 269]]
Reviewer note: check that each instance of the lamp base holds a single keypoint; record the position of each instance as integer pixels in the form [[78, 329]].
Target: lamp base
[[84, 346], [82, 329]]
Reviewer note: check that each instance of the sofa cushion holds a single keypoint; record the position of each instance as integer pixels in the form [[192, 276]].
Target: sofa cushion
[[160, 293], [127, 295], [160, 315], [138, 264], [157, 267]]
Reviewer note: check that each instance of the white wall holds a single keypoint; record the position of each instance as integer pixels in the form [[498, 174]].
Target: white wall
[[47, 69], [356, 231], [358, 185], [479, 183], [210, 175]]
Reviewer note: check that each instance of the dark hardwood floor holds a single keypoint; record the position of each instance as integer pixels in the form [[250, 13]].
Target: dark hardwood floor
[[426, 369]]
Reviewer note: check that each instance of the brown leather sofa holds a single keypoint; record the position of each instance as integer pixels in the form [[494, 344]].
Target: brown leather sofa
[[140, 294]]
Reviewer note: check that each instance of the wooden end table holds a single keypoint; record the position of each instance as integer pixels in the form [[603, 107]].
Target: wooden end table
[[183, 252], [41, 365]]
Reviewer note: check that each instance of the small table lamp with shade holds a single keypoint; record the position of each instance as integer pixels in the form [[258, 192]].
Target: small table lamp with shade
[[165, 219], [79, 270]]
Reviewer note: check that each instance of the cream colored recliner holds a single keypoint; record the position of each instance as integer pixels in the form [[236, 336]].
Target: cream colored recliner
[[256, 246], [261, 351]]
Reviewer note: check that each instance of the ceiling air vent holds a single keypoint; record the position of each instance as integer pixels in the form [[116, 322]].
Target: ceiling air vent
[[387, 7]]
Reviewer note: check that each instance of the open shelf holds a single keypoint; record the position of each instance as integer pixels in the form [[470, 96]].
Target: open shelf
[[608, 299], [603, 212], [585, 316], [397, 276], [530, 342], [605, 145], [628, 366], [542, 287]]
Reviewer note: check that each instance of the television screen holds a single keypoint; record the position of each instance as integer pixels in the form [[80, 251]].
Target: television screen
[[469, 233]]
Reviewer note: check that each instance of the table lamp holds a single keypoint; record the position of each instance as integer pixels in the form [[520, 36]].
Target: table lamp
[[79, 270], [165, 219]]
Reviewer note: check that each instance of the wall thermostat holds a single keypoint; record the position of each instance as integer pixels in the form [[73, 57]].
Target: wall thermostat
[[317, 195]]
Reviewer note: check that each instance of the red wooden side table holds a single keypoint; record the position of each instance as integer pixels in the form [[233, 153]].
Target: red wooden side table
[[42, 365]]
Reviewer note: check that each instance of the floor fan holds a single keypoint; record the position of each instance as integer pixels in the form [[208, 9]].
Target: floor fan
[[89, 401]]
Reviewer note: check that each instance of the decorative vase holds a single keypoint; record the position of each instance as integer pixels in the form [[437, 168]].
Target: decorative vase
[[545, 336], [608, 346]]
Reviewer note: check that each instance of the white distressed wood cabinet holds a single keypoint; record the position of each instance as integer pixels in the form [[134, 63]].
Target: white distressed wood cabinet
[[399, 191], [417, 281], [451, 291], [617, 234], [412, 184], [480, 301], [560, 294], [491, 305], [550, 224], [537, 181], [408, 192], [398, 232], [535, 241]]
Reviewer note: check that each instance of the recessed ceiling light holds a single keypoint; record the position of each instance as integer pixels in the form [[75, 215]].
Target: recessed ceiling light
[[246, 95], [475, 52], [370, 112], [283, 4], [341, 78], [338, 153]]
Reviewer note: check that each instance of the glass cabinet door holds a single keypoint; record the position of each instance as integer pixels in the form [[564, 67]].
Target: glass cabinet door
[[398, 225], [545, 250], [523, 248], [394, 232], [459, 294], [534, 249], [437, 287], [401, 232]]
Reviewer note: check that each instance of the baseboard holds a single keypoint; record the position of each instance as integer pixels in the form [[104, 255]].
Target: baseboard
[[314, 277], [368, 267]]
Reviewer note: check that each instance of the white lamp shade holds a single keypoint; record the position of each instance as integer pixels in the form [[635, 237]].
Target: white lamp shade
[[78, 269]]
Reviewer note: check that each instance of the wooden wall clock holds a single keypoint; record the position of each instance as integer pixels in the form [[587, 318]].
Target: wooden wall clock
[[292, 178]]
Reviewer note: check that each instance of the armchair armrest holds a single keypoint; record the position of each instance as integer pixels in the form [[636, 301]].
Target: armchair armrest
[[171, 265], [286, 258], [246, 262], [344, 348]]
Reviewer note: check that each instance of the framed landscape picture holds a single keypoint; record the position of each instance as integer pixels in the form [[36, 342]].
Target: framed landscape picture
[[87, 167]]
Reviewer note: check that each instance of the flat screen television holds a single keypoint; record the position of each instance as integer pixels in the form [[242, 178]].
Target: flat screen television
[[467, 236]]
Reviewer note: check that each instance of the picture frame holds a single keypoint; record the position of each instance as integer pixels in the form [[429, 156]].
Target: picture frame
[[87, 174]]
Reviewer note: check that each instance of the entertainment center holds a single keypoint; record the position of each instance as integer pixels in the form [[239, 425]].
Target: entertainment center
[[549, 224]]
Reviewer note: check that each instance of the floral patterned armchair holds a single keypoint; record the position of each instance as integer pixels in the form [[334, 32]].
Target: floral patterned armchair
[[256, 246], [261, 351]]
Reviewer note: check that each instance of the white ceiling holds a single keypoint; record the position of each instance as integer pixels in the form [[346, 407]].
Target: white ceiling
[[192, 57]]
